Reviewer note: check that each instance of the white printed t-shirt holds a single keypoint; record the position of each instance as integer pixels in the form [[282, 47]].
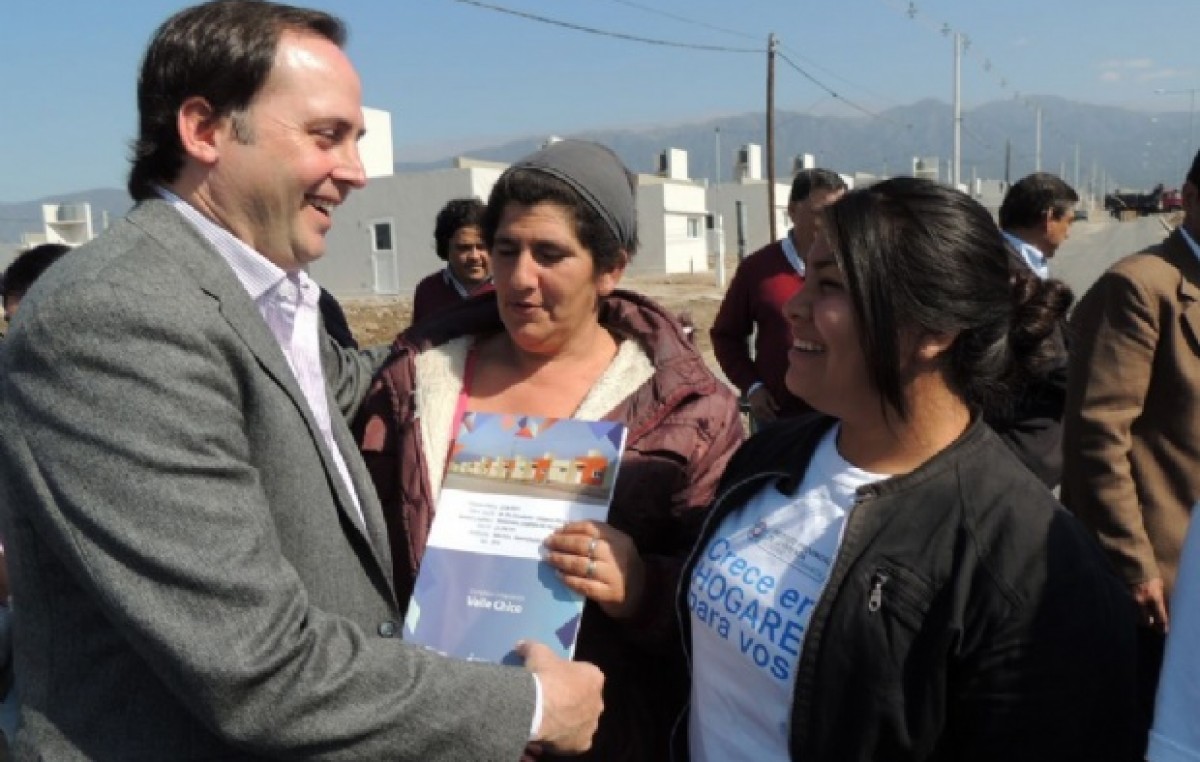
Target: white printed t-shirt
[[751, 595]]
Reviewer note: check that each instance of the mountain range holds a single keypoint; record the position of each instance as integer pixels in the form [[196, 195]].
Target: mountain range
[[1116, 147]]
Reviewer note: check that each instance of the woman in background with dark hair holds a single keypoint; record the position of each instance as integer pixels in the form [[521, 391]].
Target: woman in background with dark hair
[[886, 581], [23, 271]]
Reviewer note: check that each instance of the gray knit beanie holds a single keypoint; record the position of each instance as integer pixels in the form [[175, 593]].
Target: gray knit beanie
[[598, 176]]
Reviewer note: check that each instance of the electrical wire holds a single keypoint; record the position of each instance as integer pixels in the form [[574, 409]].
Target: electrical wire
[[694, 22], [606, 33], [834, 94]]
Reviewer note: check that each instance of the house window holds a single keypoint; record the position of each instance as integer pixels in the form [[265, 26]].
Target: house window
[[693, 227], [382, 235]]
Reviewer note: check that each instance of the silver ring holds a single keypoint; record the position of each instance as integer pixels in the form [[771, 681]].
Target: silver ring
[[592, 548], [591, 568]]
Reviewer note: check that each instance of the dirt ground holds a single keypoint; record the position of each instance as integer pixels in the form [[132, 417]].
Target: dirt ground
[[377, 320]]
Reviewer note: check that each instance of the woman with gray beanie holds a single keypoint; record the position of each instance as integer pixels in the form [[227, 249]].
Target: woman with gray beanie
[[558, 339]]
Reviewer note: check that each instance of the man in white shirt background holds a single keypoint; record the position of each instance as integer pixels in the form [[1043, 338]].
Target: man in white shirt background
[[1036, 217]]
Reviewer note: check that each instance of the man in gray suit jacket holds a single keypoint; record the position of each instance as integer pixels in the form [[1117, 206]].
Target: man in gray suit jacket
[[199, 560]]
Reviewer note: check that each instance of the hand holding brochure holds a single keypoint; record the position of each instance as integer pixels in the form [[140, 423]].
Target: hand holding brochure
[[510, 482]]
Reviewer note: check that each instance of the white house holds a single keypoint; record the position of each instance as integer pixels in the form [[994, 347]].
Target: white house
[[671, 212], [382, 237], [62, 223], [382, 242], [375, 148], [742, 203]]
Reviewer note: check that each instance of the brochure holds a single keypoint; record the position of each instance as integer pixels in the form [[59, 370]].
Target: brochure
[[510, 482]]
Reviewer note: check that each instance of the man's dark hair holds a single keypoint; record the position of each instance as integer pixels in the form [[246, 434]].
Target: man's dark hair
[[28, 267], [809, 180], [458, 213], [222, 51], [1026, 203], [921, 258], [1193, 175]]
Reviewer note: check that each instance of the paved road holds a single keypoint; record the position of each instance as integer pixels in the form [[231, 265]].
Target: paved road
[[1096, 244]]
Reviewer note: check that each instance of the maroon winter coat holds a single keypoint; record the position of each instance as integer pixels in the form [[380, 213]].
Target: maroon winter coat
[[683, 426]]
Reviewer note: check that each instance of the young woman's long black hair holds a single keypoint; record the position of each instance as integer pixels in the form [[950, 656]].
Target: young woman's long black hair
[[919, 258]]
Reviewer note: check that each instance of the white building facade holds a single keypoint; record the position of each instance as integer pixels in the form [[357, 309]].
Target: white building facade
[[70, 224], [672, 211], [382, 242]]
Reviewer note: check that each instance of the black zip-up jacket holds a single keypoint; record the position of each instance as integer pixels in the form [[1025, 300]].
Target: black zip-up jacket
[[967, 616]]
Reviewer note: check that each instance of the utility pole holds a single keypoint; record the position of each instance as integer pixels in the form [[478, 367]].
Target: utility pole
[[771, 43], [740, 214], [1093, 185], [956, 167], [1007, 162], [1037, 156], [1076, 186], [718, 228], [1192, 121]]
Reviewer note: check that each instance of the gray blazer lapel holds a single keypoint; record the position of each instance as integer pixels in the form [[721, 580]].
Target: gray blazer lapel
[[182, 241]]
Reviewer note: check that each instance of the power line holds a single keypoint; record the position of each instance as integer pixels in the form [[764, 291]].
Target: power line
[[606, 33], [834, 94], [673, 16], [911, 10], [670, 43], [813, 65]]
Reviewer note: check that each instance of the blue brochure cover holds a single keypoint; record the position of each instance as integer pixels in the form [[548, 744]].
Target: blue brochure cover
[[511, 480]]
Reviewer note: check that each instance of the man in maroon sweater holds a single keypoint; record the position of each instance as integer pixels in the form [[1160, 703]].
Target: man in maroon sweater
[[458, 238], [763, 283]]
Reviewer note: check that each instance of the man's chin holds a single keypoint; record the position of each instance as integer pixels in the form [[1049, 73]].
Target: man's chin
[[471, 279], [306, 255]]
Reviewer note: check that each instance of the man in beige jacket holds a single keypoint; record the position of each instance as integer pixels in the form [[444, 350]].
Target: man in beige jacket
[[1131, 427]]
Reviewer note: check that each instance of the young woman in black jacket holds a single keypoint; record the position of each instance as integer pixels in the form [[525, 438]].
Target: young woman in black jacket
[[885, 580]]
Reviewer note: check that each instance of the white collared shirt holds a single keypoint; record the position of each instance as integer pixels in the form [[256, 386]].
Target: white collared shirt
[[1191, 242], [1037, 261], [793, 256], [463, 291], [288, 304]]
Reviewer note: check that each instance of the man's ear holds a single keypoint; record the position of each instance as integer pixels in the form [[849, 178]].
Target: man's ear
[[199, 129]]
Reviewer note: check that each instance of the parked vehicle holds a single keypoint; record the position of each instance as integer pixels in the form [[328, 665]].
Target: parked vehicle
[[1127, 204], [1172, 200]]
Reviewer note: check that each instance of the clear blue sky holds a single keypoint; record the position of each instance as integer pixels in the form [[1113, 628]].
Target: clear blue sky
[[455, 75]]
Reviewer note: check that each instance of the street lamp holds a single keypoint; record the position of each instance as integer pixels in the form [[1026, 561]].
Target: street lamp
[[1191, 146]]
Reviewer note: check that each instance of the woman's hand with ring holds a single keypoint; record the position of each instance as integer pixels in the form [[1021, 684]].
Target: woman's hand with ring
[[599, 562]]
